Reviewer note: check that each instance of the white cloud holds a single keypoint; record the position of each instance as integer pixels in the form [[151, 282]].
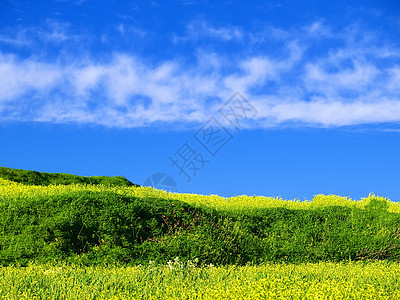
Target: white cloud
[[394, 79], [197, 30], [126, 29], [20, 77], [329, 113], [52, 32], [358, 77], [318, 29], [356, 82]]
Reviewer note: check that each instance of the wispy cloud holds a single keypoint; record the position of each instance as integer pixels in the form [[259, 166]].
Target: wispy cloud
[[19, 78], [51, 32], [356, 81], [124, 29], [318, 29], [200, 29]]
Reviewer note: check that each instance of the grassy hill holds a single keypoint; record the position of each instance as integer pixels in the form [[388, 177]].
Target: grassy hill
[[41, 178], [93, 220]]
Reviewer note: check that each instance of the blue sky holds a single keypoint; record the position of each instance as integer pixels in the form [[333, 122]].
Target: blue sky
[[283, 98]]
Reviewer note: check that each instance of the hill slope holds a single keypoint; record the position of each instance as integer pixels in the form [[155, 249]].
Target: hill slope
[[41, 178], [94, 224]]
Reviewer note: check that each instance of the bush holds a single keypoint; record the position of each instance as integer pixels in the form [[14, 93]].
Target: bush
[[40, 178], [97, 227]]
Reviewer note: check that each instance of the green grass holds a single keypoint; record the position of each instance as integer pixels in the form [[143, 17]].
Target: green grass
[[41, 178], [131, 225], [184, 280], [70, 237]]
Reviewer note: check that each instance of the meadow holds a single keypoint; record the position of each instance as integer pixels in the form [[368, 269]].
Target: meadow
[[179, 280], [68, 237]]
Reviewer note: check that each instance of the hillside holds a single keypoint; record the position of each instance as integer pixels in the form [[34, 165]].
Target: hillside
[[41, 178], [97, 222]]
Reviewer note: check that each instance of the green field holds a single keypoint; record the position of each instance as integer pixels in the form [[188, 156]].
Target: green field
[[70, 237], [177, 280]]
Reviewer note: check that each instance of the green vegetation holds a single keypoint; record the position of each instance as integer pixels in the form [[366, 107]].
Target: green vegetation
[[185, 280], [69, 237], [40, 178], [106, 224]]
